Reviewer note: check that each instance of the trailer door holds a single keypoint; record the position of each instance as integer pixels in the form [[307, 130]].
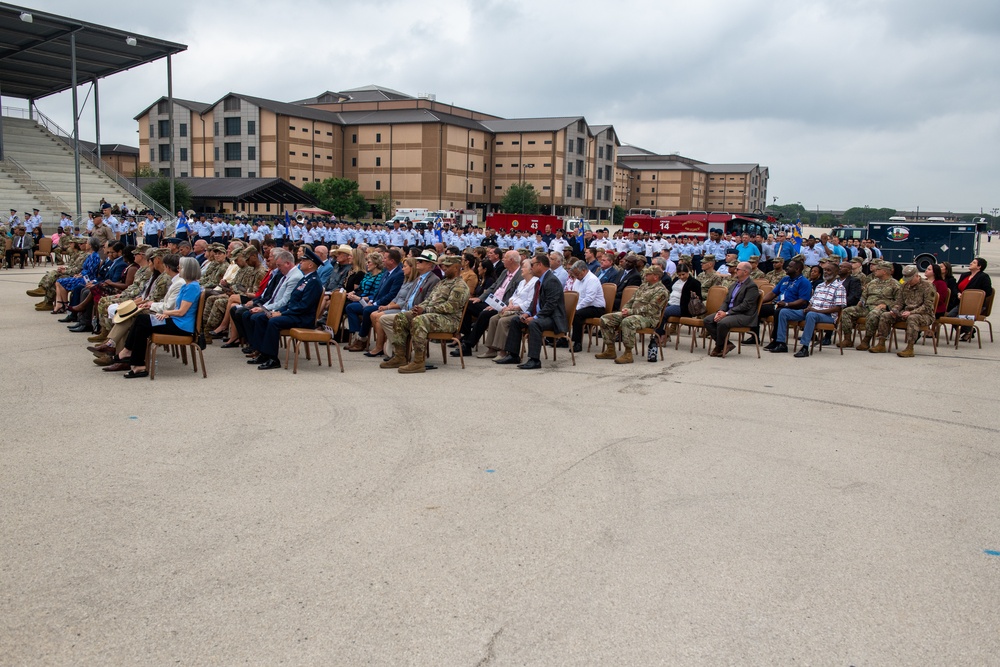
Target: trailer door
[[961, 247]]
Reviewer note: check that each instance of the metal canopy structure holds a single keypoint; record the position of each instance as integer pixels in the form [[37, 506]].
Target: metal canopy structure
[[243, 190], [35, 56], [42, 54]]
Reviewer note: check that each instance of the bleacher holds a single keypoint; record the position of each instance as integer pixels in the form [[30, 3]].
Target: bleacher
[[49, 160]]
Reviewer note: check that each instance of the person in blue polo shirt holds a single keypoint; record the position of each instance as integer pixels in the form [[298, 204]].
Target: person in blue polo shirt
[[746, 250], [792, 292]]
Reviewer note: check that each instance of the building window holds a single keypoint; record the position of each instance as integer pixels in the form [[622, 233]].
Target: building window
[[610, 152], [291, 152], [163, 107], [499, 165], [183, 129], [164, 128], [472, 142], [378, 185], [654, 177], [152, 131], [378, 137], [164, 152], [600, 173], [514, 165], [472, 166], [291, 127], [531, 142], [291, 178], [547, 164], [317, 131], [234, 172], [579, 126], [251, 127], [152, 154], [652, 191], [470, 188], [354, 162], [547, 141], [569, 190], [184, 154], [216, 152], [600, 152], [305, 129], [599, 193], [378, 162], [579, 146], [316, 155], [231, 104], [354, 138], [216, 129], [515, 143], [607, 193], [164, 172], [251, 152], [234, 151], [184, 174], [498, 187], [579, 190], [569, 168], [579, 167], [232, 127], [252, 174], [499, 143], [546, 187]]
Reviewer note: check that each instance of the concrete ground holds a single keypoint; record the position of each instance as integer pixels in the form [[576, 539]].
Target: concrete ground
[[836, 510]]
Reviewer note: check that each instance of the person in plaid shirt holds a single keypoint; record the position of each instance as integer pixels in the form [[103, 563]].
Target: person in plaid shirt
[[828, 299]]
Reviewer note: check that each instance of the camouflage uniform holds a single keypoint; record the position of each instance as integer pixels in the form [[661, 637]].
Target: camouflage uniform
[[142, 277], [919, 300], [73, 266], [442, 311], [244, 282], [757, 274], [212, 273], [774, 277], [884, 292], [708, 281], [645, 309]]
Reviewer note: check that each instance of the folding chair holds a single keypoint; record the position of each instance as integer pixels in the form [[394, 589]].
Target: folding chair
[[609, 302], [326, 336], [183, 342], [716, 296]]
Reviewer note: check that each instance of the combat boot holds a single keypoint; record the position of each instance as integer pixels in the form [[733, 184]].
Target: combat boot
[[38, 291], [626, 357], [906, 352], [99, 337], [44, 305], [880, 348], [417, 365], [845, 342], [398, 358], [609, 352], [864, 344]]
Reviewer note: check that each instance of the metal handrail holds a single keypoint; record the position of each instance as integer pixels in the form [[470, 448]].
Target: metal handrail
[[107, 169], [34, 182]]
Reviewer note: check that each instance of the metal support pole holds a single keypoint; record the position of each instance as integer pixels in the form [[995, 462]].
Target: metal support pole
[[170, 117], [76, 128], [31, 109], [1, 125], [97, 119]]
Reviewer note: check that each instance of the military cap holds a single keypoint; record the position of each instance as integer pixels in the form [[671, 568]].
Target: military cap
[[910, 270], [859, 259], [779, 258], [307, 253], [708, 259], [80, 239], [799, 258], [754, 258], [218, 247], [732, 263], [882, 264], [141, 248], [653, 268], [236, 253], [829, 259], [172, 239], [448, 260], [686, 258], [153, 253]]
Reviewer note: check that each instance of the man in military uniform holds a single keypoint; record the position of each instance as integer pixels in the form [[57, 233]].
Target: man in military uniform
[[729, 279], [755, 272], [857, 266], [440, 312], [643, 311], [73, 263], [142, 278], [914, 305], [212, 272], [245, 282], [877, 296], [708, 277], [778, 272]]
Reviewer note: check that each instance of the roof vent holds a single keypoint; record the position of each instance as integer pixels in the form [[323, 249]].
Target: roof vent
[[427, 96]]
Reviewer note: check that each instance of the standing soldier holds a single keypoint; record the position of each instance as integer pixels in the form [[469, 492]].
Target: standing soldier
[[877, 296], [914, 305], [440, 312], [643, 311]]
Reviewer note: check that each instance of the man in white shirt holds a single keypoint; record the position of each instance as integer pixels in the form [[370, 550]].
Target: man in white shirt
[[591, 303], [559, 244], [555, 265]]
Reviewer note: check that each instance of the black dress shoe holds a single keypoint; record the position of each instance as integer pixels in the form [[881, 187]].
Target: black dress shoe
[[778, 347], [827, 340], [562, 342], [466, 352], [803, 352], [770, 346], [69, 318], [82, 328], [749, 340], [246, 349], [269, 364], [229, 346], [530, 365], [507, 359], [578, 347], [259, 359]]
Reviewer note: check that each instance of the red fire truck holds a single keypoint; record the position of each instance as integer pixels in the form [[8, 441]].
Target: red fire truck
[[697, 223], [520, 222]]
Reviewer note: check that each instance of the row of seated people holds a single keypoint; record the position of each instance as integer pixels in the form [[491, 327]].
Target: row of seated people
[[244, 314]]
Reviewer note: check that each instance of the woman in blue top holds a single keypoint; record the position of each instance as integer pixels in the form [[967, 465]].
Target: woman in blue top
[[177, 322], [88, 274]]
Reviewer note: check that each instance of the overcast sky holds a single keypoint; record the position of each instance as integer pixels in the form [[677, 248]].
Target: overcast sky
[[849, 102]]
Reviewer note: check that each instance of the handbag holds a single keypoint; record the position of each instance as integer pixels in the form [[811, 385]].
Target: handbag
[[695, 305]]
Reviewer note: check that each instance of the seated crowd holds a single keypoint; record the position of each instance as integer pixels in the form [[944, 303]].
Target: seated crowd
[[502, 301]]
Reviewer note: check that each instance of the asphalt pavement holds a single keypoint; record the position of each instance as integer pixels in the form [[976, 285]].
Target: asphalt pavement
[[835, 510]]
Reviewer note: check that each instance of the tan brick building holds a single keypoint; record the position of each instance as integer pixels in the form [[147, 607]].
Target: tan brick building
[[420, 152]]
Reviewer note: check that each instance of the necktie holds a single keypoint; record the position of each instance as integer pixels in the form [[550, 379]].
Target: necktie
[[413, 295], [534, 300]]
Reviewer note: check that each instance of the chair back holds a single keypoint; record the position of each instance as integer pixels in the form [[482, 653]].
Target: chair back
[[764, 285], [988, 307], [44, 246], [970, 304], [627, 294], [335, 313], [716, 297], [609, 296], [570, 298], [198, 321]]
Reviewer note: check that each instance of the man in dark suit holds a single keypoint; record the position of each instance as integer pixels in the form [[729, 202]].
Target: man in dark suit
[[631, 277], [502, 288], [547, 312], [738, 310], [607, 272], [300, 312], [359, 316]]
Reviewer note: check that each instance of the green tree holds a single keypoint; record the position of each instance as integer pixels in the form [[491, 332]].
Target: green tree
[[520, 198], [145, 171], [860, 216], [340, 196], [383, 205], [618, 215], [159, 190]]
